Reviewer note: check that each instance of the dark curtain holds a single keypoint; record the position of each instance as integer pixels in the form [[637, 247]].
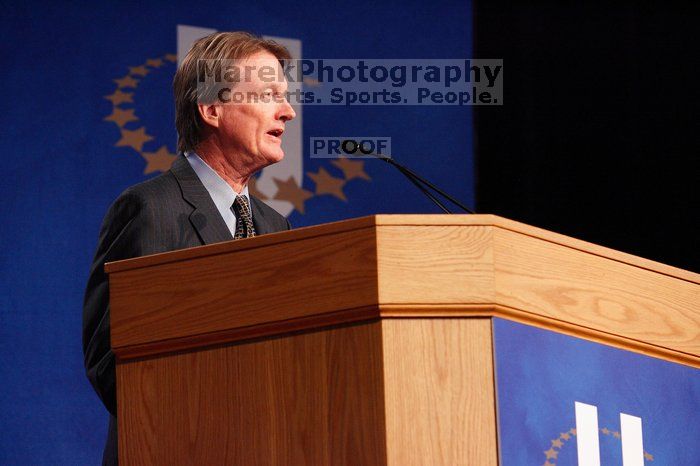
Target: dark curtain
[[598, 137]]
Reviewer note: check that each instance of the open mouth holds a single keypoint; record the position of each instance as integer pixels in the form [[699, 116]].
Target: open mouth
[[276, 133]]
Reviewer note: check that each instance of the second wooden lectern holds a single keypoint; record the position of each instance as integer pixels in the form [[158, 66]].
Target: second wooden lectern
[[365, 342]]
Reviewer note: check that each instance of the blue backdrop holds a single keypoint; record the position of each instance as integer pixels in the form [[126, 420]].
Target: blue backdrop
[[65, 164], [541, 374]]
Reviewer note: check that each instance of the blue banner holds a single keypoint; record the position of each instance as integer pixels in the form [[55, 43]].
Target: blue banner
[[552, 386], [88, 111]]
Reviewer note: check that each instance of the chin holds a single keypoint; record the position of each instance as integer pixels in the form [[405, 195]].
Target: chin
[[274, 157]]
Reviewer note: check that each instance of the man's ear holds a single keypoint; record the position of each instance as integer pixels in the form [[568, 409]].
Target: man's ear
[[210, 114]]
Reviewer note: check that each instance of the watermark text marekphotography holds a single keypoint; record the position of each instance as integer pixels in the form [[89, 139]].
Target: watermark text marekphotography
[[333, 147], [353, 82]]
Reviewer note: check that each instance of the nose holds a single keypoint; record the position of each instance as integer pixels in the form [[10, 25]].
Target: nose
[[286, 112]]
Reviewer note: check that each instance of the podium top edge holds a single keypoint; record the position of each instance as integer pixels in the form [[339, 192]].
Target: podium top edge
[[416, 220]]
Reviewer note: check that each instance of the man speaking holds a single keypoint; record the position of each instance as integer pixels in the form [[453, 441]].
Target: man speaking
[[203, 198]]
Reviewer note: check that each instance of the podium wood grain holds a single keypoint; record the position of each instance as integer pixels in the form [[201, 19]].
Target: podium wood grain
[[363, 342], [393, 392], [403, 266], [438, 378], [310, 399]]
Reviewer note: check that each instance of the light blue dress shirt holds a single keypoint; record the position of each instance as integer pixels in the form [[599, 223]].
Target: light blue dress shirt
[[220, 191]]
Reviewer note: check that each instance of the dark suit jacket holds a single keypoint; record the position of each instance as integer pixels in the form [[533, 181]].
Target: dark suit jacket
[[171, 211]]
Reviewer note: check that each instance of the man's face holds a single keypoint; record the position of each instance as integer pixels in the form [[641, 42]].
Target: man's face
[[251, 132]]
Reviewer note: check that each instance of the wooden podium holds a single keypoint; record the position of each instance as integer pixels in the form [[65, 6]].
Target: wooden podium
[[363, 342]]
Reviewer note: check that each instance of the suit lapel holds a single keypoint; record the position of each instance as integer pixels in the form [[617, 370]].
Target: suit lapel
[[260, 222], [205, 217]]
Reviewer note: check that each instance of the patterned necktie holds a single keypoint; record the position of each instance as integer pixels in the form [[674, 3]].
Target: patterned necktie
[[244, 220]]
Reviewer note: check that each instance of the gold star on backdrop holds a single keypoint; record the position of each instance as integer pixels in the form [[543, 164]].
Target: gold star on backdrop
[[352, 168], [558, 443], [135, 139], [290, 191], [154, 62], [161, 160], [121, 117], [139, 70], [126, 81], [120, 97], [253, 189], [327, 184]]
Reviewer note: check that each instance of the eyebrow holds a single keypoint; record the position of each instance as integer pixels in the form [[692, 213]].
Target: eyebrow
[[277, 85]]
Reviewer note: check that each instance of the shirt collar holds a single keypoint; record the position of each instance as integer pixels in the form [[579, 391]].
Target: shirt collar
[[220, 191]]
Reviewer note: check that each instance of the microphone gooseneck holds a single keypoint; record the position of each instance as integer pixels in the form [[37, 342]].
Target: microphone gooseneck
[[351, 147]]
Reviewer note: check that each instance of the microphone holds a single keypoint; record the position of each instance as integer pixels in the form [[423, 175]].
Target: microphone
[[350, 147]]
